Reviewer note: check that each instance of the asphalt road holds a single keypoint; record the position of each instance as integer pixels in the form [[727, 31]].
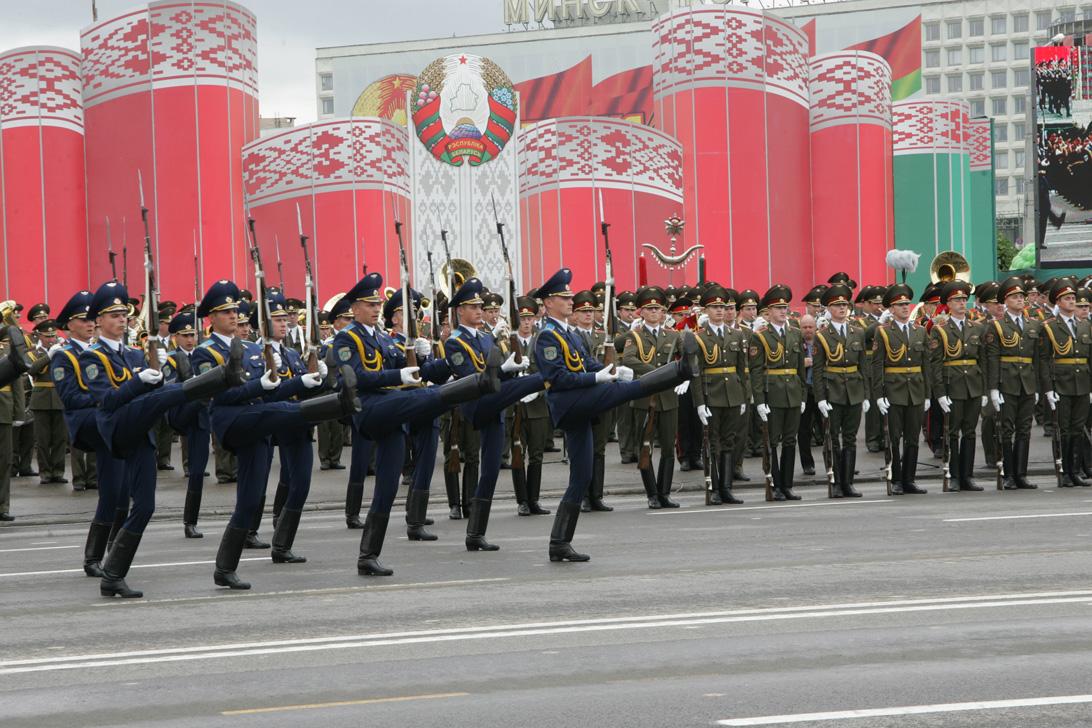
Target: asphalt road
[[926, 610]]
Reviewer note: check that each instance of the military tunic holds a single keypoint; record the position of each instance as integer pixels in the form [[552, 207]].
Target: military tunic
[[49, 427]]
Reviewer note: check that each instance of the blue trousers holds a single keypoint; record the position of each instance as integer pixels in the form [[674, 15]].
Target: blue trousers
[[389, 456], [297, 461], [384, 412], [134, 422], [140, 473], [360, 457], [113, 486], [485, 410], [197, 451], [426, 439]]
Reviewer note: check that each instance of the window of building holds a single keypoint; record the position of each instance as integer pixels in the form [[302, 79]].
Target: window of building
[[999, 78], [1042, 20], [955, 83], [999, 105], [327, 106], [1020, 50], [978, 107], [955, 56], [932, 30], [932, 59], [1018, 158], [1000, 132], [975, 81], [1020, 76], [1018, 131], [975, 27], [1019, 104], [976, 54], [1001, 186], [326, 81], [1067, 15], [954, 29], [932, 85], [1001, 160], [999, 25], [1020, 185], [998, 52], [1020, 23]]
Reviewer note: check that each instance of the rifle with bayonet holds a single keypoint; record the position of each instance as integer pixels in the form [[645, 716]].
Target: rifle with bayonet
[[828, 456], [265, 326], [434, 324], [452, 464], [767, 449], [607, 351], [277, 252], [311, 339], [196, 290], [151, 295], [519, 475], [409, 313]]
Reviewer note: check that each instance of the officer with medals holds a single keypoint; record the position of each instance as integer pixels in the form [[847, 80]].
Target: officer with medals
[[957, 352], [777, 386], [585, 305], [467, 349], [1065, 375], [650, 347], [132, 397], [380, 371], [840, 378], [721, 395], [901, 376], [533, 416], [191, 420], [246, 416], [49, 428]]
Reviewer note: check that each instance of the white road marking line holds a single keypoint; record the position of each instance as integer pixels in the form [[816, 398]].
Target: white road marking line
[[502, 631], [908, 710], [134, 566], [38, 548], [786, 506], [1016, 517]]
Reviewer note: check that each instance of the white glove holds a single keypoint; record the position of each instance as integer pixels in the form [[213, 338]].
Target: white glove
[[625, 374], [926, 407], [150, 376], [277, 362], [824, 407], [703, 320], [323, 370], [409, 375], [865, 406], [743, 409], [1036, 398], [606, 374], [945, 404], [998, 399], [18, 423], [161, 354], [883, 405], [636, 323], [510, 364], [310, 381], [1052, 399], [54, 349], [682, 388], [530, 398], [763, 411], [422, 347], [803, 406], [704, 413], [268, 382]]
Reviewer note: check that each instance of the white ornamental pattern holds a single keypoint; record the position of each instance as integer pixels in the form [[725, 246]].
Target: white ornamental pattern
[[930, 127], [736, 47], [980, 143], [849, 87], [328, 156], [599, 152], [41, 86], [170, 43]]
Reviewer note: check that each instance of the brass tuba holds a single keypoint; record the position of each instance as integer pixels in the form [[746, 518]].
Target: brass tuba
[[461, 269], [949, 266], [7, 313]]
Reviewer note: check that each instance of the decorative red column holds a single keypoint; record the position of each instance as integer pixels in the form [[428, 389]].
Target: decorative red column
[[566, 165], [350, 178], [171, 90], [851, 175], [731, 85], [43, 220]]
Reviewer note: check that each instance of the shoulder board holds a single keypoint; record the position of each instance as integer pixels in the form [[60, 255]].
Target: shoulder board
[[455, 333], [206, 343], [95, 347]]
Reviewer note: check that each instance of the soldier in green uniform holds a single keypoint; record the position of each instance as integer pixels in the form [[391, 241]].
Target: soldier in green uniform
[[901, 384], [1065, 375], [331, 439], [840, 380], [84, 476], [722, 393], [50, 434], [870, 305], [1012, 365], [990, 310], [957, 358], [626, 416], [533, 415], [650, 346], [11, 411], [582, 320], [777, 386], [748, 442], [1084, 444]]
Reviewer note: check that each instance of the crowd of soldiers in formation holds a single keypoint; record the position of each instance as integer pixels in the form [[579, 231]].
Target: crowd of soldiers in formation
[[703, 376], [1054, 81]]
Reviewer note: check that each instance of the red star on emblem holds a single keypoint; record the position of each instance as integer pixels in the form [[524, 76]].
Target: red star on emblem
[[462, 59]]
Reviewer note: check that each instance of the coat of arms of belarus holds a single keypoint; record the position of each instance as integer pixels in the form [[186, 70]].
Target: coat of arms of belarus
[[464, 109]]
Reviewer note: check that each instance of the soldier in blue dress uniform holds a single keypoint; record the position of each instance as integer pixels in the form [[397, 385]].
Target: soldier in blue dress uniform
[[391, 396], [466, 350], [246, 416], [131, 397], [579, 389]]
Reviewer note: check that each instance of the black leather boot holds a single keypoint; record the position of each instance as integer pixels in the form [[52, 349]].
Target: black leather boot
[[534, 487], [1008, 459], [451, 484], [227, 558], [280, 495], [120, 516], [648, 479], [966, 465], [252, 540], [1020, 463], [725, 475], [595, 493], [787, 470], [1073, 464], [117, 564], [1066, 480], [775, 476], [468, 389], [896, 468], [183, 367], [190, 513], [332, 406], [909, 472], [18, 361], [284, 536], [207, 385], [479, 522], [236, 375], [1084, 449], [561, 536], [354, 496], [519, 486], [95, 547], [836, 489], [664, 475], [713, 487], [416, 508], [848, 463], [470, 484], [371, 545]]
